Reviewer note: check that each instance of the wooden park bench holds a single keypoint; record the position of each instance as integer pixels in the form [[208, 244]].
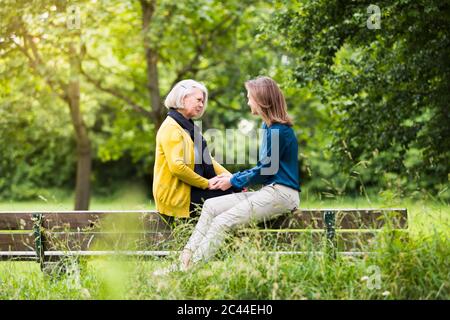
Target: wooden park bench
[[49, 236]]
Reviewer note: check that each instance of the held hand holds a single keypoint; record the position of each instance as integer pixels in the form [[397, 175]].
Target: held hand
[[212, 183], [224, 183]]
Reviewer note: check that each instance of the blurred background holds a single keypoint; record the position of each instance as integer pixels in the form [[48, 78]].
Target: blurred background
[[82, 85]]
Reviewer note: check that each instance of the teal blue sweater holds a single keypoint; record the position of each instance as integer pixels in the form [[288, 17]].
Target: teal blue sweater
[[278, 160]]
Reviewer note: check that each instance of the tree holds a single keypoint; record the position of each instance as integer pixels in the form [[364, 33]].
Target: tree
[[387, 88], [25, 30], [157, 45], [113, 72]]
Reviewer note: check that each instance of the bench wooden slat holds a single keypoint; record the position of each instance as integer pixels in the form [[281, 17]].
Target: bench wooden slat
[[269, 239], [305, 218], [28, 255], [84, 240], [310, 240], [345, 219], [16, 221], [81, 219], [119, 220], [367, 219], [16, 242]]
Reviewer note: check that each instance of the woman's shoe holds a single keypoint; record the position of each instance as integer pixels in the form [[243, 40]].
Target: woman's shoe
[[185, 258], [165, 271], [174, 267]]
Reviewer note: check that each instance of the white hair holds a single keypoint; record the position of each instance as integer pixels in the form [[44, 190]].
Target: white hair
[[183, 88]]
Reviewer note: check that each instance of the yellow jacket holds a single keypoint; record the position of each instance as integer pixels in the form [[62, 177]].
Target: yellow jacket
[[174, 170]]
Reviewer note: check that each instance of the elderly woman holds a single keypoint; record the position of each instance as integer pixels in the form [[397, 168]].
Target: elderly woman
[[184, 169]]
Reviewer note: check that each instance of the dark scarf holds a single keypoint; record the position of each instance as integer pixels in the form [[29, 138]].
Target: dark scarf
[[205, 168]]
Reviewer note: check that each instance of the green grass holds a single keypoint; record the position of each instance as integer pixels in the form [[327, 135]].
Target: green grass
[[415, 269]]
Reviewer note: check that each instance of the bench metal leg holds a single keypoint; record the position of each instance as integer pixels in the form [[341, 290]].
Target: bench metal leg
[[330, 229], [53, 268], [38, 239]]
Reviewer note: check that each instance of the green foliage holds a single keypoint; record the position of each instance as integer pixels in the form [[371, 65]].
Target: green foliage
[[370, 107], [195, 39], [386, 90], [35, 141]]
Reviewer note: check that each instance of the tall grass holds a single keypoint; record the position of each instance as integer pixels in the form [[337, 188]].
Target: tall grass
[[416, 267]]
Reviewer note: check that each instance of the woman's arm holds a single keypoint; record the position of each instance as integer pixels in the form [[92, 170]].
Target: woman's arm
[[174, 146], [219, 169], [264, 169]]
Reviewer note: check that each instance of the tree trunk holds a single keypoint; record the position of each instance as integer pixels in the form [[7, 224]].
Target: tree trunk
[[151, 58], [83, 183]]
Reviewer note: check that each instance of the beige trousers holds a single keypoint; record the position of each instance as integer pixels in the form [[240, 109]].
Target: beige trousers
[[225, 213]]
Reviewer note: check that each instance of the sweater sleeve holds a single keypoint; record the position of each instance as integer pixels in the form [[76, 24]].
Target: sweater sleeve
[[174, 147], [263, 169], [218, 169]]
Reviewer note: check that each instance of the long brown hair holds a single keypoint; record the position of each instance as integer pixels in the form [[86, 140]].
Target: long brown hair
[[269, 99]]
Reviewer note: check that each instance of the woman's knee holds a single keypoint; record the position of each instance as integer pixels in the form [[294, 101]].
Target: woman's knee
[[209, 208], [227, 221]]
